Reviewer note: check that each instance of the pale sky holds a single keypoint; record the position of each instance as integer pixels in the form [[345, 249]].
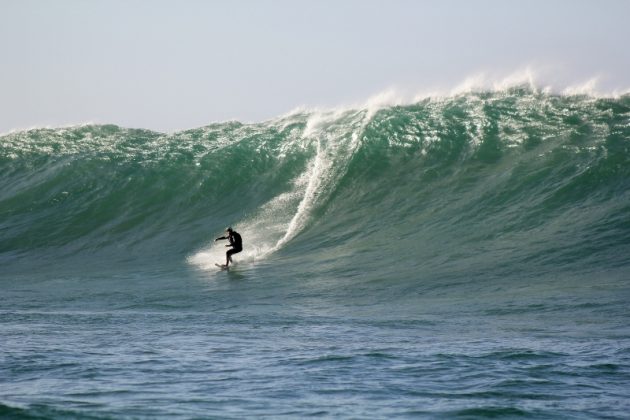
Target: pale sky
[[170, 65]]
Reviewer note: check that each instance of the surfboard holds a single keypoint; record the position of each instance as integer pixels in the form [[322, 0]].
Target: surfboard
[[222, 266]]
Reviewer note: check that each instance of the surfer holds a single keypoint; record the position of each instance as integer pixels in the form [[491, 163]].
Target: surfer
[[235, 242]]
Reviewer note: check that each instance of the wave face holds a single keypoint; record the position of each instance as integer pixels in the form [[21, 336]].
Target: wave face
[[487, 182]]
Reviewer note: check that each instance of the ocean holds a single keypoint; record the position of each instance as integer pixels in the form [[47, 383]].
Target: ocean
[[463, 256]]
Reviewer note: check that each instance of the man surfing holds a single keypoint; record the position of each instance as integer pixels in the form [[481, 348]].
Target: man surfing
[[235, 242]]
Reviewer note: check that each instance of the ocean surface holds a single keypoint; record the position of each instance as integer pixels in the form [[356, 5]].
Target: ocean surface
[[464, 256]]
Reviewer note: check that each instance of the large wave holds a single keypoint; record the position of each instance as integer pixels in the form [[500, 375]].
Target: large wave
[[486, 180]]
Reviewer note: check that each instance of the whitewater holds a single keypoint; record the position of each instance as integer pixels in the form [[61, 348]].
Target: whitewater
[[460, 255]]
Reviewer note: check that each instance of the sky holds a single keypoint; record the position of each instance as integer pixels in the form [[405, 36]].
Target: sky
[[172, 65]]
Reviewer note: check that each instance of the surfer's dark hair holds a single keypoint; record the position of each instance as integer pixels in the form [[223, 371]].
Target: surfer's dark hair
[[229, 229]]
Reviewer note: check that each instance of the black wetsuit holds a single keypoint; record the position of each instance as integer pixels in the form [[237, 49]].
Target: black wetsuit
[[235, 242]]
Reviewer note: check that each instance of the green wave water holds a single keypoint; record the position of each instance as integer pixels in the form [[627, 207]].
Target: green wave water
[[496, 181]]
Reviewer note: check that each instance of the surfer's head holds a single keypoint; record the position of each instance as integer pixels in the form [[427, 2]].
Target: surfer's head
[[229, 230]]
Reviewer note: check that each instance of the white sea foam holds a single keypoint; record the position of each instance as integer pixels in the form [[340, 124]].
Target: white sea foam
[[286, 215], [48, 127], [335, 146]]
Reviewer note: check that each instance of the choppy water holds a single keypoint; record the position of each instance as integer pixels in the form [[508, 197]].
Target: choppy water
[[463, 256]]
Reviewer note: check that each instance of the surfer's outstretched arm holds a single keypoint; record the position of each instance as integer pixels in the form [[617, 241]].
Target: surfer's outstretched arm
[[222, 237]]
